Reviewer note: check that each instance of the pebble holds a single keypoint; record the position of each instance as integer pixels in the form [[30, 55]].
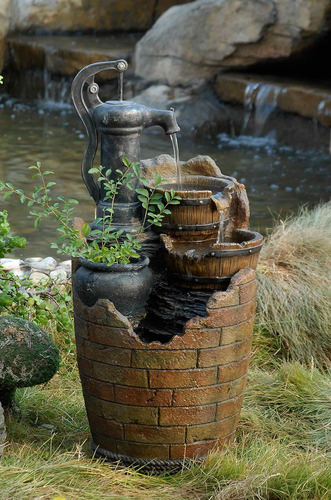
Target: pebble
[[59, 274], [45, 265], [37, 277], [38, 270], [10, 264]]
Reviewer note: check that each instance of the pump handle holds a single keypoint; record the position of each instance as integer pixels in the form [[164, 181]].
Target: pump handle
[[84, 107]]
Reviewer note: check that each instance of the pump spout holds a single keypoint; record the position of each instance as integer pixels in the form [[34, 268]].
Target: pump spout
[[164, 118]]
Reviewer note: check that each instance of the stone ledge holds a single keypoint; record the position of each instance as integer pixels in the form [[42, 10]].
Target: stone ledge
[[302, 99]]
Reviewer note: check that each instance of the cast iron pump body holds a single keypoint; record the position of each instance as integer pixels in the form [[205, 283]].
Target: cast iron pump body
[[119, 124]]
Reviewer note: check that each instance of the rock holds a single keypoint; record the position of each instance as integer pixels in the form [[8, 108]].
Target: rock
[[73, 15], [2, 430], [165, 166], [59, 274], [197, 40], [8, 264], [4, 23], [37, 277], [28, 356], [197, 109], [45, 265], [32, 260]]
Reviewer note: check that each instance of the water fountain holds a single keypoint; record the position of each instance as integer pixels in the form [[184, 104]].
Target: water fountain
[[168, 386]]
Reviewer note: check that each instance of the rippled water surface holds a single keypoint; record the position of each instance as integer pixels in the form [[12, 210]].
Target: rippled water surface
[[278, 179]]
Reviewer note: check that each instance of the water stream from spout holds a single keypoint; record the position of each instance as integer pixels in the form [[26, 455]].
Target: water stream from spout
[[221, 229], [174, 142]]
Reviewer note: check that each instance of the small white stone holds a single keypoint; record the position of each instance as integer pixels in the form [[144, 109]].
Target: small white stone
[[31, 260], [45, 265], [59, 274], [37, 277], [10, 264]]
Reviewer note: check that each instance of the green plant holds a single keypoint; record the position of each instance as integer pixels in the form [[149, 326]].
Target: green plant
[[7, 241], [294, 291], [106, 243], [47, 306]]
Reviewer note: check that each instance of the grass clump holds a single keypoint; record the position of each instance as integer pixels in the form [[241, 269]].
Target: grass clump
[[294, 292]]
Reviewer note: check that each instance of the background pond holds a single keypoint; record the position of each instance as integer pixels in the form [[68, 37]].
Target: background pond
[[278, 179]]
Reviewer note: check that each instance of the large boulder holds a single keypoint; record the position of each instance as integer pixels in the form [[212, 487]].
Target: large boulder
[[4, 21], [2, 430], [28, 356], [196, 41], [100, 15]]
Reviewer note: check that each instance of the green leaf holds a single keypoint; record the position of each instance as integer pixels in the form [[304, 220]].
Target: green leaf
[[142, 191], [143, 199], [125, 162], [167, 196], [85, 230], [157, 179], [94, 170]]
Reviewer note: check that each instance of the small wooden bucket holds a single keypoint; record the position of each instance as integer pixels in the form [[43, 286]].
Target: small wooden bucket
[[208, 265], [197, 217]]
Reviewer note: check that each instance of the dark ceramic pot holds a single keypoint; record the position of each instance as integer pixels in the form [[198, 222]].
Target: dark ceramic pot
[[126, 285]]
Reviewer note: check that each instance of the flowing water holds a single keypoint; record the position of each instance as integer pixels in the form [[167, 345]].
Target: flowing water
[[174, 142], [278, 179], [221, 229]]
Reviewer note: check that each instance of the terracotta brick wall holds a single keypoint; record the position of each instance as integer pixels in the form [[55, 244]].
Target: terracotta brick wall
[[167, 401]]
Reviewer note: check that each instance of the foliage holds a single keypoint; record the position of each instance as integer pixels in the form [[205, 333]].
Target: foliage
[[7, 241], [1, 79], [294, 293], [46, 305], [105, 243]]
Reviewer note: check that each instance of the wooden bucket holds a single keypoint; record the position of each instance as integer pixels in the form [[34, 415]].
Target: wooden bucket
[[208, 265], [197, 217]]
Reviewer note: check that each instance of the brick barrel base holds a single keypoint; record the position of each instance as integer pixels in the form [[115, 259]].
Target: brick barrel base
[[166, 401]]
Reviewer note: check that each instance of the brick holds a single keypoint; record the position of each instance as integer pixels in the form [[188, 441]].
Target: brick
[[199, 449], [93, 405], [242, 331], [229, 408], [191, 339], [207, 395], [80, 345], [120, 375], [143, 397], [85, 366], [142, 450], [128, 414], [197, 322], [105, 426], [188, 415], [229, 316], [105, 313], [243, 276], [224, 355], [81, 327], [106, 354], [116, 337], [182, 378], [230, 372], [105, 442], [247, 292], [224, 299], [151, 434], [97, 388], [209, 431], [164, 359]]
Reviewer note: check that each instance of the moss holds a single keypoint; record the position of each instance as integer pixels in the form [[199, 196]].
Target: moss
[[28, 356]]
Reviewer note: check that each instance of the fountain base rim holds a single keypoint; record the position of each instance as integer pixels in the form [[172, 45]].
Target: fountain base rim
[[149, 465]]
